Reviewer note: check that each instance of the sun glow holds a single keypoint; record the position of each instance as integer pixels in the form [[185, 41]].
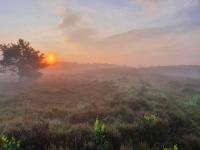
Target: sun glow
[[51, 59]]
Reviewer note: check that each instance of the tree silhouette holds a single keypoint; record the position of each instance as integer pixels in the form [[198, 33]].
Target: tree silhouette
[[22, 59]]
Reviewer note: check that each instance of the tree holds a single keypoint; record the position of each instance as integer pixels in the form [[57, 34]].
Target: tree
[[22, 59]]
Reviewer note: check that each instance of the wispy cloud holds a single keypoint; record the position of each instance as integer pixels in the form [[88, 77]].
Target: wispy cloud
[[120, 31], [75, 29], [166, 11], [165, 39]]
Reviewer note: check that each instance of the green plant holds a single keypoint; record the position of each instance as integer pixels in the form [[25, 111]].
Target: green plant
[[10, 143], [175, 147], [150, 119], [100, 133], [192, 101]]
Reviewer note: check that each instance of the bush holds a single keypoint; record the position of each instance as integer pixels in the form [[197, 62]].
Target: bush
[[150, 119], [9, 143], [154, 135], [175, 147], [32, 136], [79, 138], [100, 136]]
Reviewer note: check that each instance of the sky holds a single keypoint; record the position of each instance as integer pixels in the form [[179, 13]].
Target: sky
[[127, 32]]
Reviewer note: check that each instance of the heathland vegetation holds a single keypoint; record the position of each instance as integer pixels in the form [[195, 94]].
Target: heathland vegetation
[[102, 107]]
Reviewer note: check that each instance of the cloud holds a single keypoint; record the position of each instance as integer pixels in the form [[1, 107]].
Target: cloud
[[70, 20], [169, 33], [153, 46], [166, 11], [75, 29], [72, 24]]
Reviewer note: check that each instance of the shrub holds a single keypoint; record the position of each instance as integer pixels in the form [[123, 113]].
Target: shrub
[[100, 134], [79, 138], [175, 147], [8, 143], [33, 136], [154, 134], [150, 119]]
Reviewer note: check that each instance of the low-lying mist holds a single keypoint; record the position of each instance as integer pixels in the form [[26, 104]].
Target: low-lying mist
[[69, 96]]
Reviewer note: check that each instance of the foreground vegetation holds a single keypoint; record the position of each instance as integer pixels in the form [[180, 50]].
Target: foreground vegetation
[[149, 134], [130, 113]]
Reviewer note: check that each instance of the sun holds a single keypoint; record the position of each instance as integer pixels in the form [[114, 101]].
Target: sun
[[51, 59]]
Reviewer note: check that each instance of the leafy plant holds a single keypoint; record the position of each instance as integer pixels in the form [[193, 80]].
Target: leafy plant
[[100, 133], [175, 147], [150, 119], [10, 143]]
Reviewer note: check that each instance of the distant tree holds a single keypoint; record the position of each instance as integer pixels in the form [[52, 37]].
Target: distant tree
[[22, 59]]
